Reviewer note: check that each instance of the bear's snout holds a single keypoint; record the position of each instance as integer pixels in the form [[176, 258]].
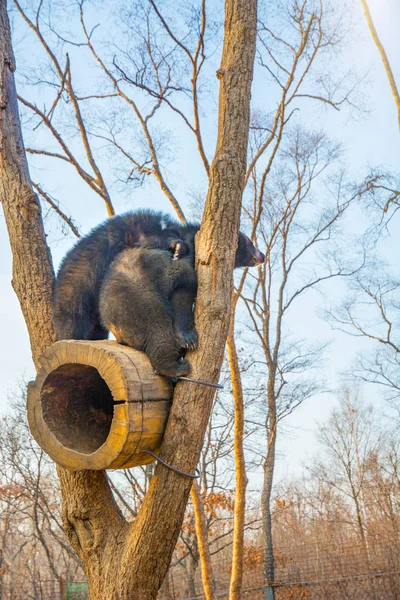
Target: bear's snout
[[259, 257]]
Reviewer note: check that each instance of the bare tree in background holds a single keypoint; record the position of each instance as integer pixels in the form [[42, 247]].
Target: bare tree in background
[[289, 51], [352, 440], [152, 77], [316, 529], [304, 203], [152, 71], [34, 547], [372, 312], [383, 490]]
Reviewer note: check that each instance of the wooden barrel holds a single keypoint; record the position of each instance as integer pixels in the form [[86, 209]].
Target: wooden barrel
[[97, 404]]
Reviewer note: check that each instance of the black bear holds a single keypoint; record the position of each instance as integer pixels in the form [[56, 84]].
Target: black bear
[[146, 301], [77, 287]]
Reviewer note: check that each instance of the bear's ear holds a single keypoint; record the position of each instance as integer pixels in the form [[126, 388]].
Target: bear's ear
[[247, 254]]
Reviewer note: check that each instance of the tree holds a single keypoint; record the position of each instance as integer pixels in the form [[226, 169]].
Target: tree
[[126, 560], [300, 227], [149, 73], [371, 312], [351, 439], [385, 60], [383, 491], [289, 51], [154, 82], [34, 547]]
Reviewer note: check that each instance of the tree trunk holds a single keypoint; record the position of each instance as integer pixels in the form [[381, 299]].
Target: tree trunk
[[129, 560], [202, 543], [235, 591], [363, 535], [191, 568], [269, 468], [385, 60]]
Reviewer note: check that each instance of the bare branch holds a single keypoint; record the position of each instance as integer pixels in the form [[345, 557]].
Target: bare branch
[[54, 205]]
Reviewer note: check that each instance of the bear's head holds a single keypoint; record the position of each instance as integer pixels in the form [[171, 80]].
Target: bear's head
[[247, 254]]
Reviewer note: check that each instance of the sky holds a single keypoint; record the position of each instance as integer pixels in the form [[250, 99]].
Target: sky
[[370, 139]]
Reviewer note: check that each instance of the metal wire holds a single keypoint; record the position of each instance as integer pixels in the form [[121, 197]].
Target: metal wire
[[194, 475]]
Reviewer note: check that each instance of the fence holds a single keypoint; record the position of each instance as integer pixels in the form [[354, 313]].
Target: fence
[[308, 572], [380, 586], [312, 572], [39, 589]]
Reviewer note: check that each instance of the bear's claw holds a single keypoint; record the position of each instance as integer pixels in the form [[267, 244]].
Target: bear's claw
[[187, 339]]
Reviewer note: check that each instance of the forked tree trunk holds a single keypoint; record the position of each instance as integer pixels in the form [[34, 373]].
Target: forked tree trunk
[[129, 560]]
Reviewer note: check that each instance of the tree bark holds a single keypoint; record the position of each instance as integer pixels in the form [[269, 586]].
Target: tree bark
[[129, 560]]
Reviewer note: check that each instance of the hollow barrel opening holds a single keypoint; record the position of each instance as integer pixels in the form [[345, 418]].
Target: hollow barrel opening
[[77, 407]]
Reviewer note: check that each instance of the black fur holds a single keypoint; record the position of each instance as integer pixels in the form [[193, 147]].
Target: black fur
[[146, 300], [77, 288]]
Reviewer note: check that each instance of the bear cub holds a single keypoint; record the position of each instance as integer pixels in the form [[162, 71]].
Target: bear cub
[[147, 298], [146, 301], [77, 286]]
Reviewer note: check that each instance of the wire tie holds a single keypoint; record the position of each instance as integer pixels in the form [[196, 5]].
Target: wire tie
[[194, 476]]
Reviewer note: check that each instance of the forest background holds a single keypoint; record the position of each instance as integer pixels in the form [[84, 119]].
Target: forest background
[[367, 132]]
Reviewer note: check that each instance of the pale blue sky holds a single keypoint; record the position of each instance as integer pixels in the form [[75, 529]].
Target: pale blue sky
[[372, 139]]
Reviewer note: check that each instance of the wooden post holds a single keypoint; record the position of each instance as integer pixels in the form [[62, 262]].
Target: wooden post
[[97, 405]]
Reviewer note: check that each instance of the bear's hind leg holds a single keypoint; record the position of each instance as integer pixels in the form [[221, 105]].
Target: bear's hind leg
[[70, 326], [98, 332]]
